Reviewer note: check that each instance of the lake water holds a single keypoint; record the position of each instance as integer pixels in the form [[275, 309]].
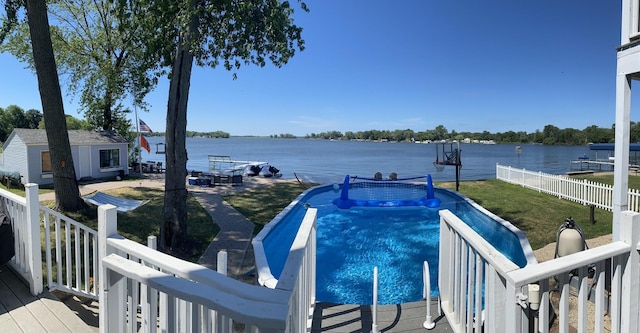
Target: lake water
[[324, 161]]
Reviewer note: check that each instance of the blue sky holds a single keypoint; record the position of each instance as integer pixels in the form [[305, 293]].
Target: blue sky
[[491, 65]]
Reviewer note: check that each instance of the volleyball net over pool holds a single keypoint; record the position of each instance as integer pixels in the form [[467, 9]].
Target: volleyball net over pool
[[374, 192]]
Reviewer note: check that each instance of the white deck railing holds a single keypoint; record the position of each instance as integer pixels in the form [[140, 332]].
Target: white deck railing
[[193, 298], [69, 247], [582, 191], [26, 228], [71, 254], [481, 290]]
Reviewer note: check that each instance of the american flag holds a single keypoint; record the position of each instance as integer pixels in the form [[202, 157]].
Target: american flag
[[144, 127]]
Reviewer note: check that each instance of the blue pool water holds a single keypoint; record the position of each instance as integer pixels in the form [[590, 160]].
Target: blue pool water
[[350, 242]]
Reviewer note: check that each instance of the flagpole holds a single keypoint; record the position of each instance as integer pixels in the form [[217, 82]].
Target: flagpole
[[135, 110]]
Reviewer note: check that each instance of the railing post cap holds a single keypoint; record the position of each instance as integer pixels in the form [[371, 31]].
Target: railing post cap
[[106, 207]]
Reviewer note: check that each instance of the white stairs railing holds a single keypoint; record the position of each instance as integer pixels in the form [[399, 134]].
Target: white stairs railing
[[192, 298], [481, 290]]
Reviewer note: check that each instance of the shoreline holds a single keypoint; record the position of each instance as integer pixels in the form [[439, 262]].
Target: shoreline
[[156, 180]]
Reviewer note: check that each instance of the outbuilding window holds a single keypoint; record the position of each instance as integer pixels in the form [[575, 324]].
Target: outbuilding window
[[109, 158]]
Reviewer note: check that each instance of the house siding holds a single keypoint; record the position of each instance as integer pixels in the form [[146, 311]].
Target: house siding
[[14, 158]]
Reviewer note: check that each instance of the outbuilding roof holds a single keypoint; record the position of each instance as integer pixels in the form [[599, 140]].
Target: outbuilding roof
[[76, 137]]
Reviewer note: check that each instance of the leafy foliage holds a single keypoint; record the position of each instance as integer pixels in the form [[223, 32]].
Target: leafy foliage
[[15, 117], [228, 32], [96, 56]]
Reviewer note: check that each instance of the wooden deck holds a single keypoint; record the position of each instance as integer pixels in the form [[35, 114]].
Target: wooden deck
[[22, 312], [406, 318]]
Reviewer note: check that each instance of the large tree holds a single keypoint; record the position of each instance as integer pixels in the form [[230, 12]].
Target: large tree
[[94, 49], [210, 32], [64, 176]]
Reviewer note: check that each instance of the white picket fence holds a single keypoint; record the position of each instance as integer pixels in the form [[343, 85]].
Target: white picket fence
[[578, 190]]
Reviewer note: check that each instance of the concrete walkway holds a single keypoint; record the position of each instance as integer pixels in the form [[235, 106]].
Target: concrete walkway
[[234, 237]]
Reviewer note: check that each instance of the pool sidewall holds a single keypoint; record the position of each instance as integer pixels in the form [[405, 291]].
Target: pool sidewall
[[265, 276], [524, 241]]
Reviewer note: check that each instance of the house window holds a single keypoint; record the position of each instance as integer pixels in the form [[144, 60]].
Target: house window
[[109, 158], [45, 161]]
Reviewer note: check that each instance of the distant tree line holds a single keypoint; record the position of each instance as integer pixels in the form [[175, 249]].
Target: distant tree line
[[194, 134], [214, 134], [550, 135], [283, 136]]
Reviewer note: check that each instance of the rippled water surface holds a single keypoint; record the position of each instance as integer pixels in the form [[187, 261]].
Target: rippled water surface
[[325, 161]]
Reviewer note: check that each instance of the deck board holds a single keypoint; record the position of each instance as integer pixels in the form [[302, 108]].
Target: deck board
[[405, 318], [22, 312], [15, 308]]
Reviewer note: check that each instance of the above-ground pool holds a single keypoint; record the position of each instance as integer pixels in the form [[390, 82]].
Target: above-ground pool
[[351, 242]]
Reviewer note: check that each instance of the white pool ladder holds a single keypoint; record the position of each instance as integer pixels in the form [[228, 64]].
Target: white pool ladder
[[426, 293]]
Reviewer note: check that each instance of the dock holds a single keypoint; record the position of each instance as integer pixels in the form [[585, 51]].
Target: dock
[[580, 172], [593, 165]]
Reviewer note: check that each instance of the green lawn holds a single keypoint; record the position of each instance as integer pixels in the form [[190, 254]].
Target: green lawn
[[607, 178], [261, 205]]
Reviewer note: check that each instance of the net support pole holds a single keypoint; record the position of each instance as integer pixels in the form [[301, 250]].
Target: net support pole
[[458, 177]]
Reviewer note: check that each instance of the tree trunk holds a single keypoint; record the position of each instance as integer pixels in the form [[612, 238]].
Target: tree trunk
[[173, 230], [64, 175]]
